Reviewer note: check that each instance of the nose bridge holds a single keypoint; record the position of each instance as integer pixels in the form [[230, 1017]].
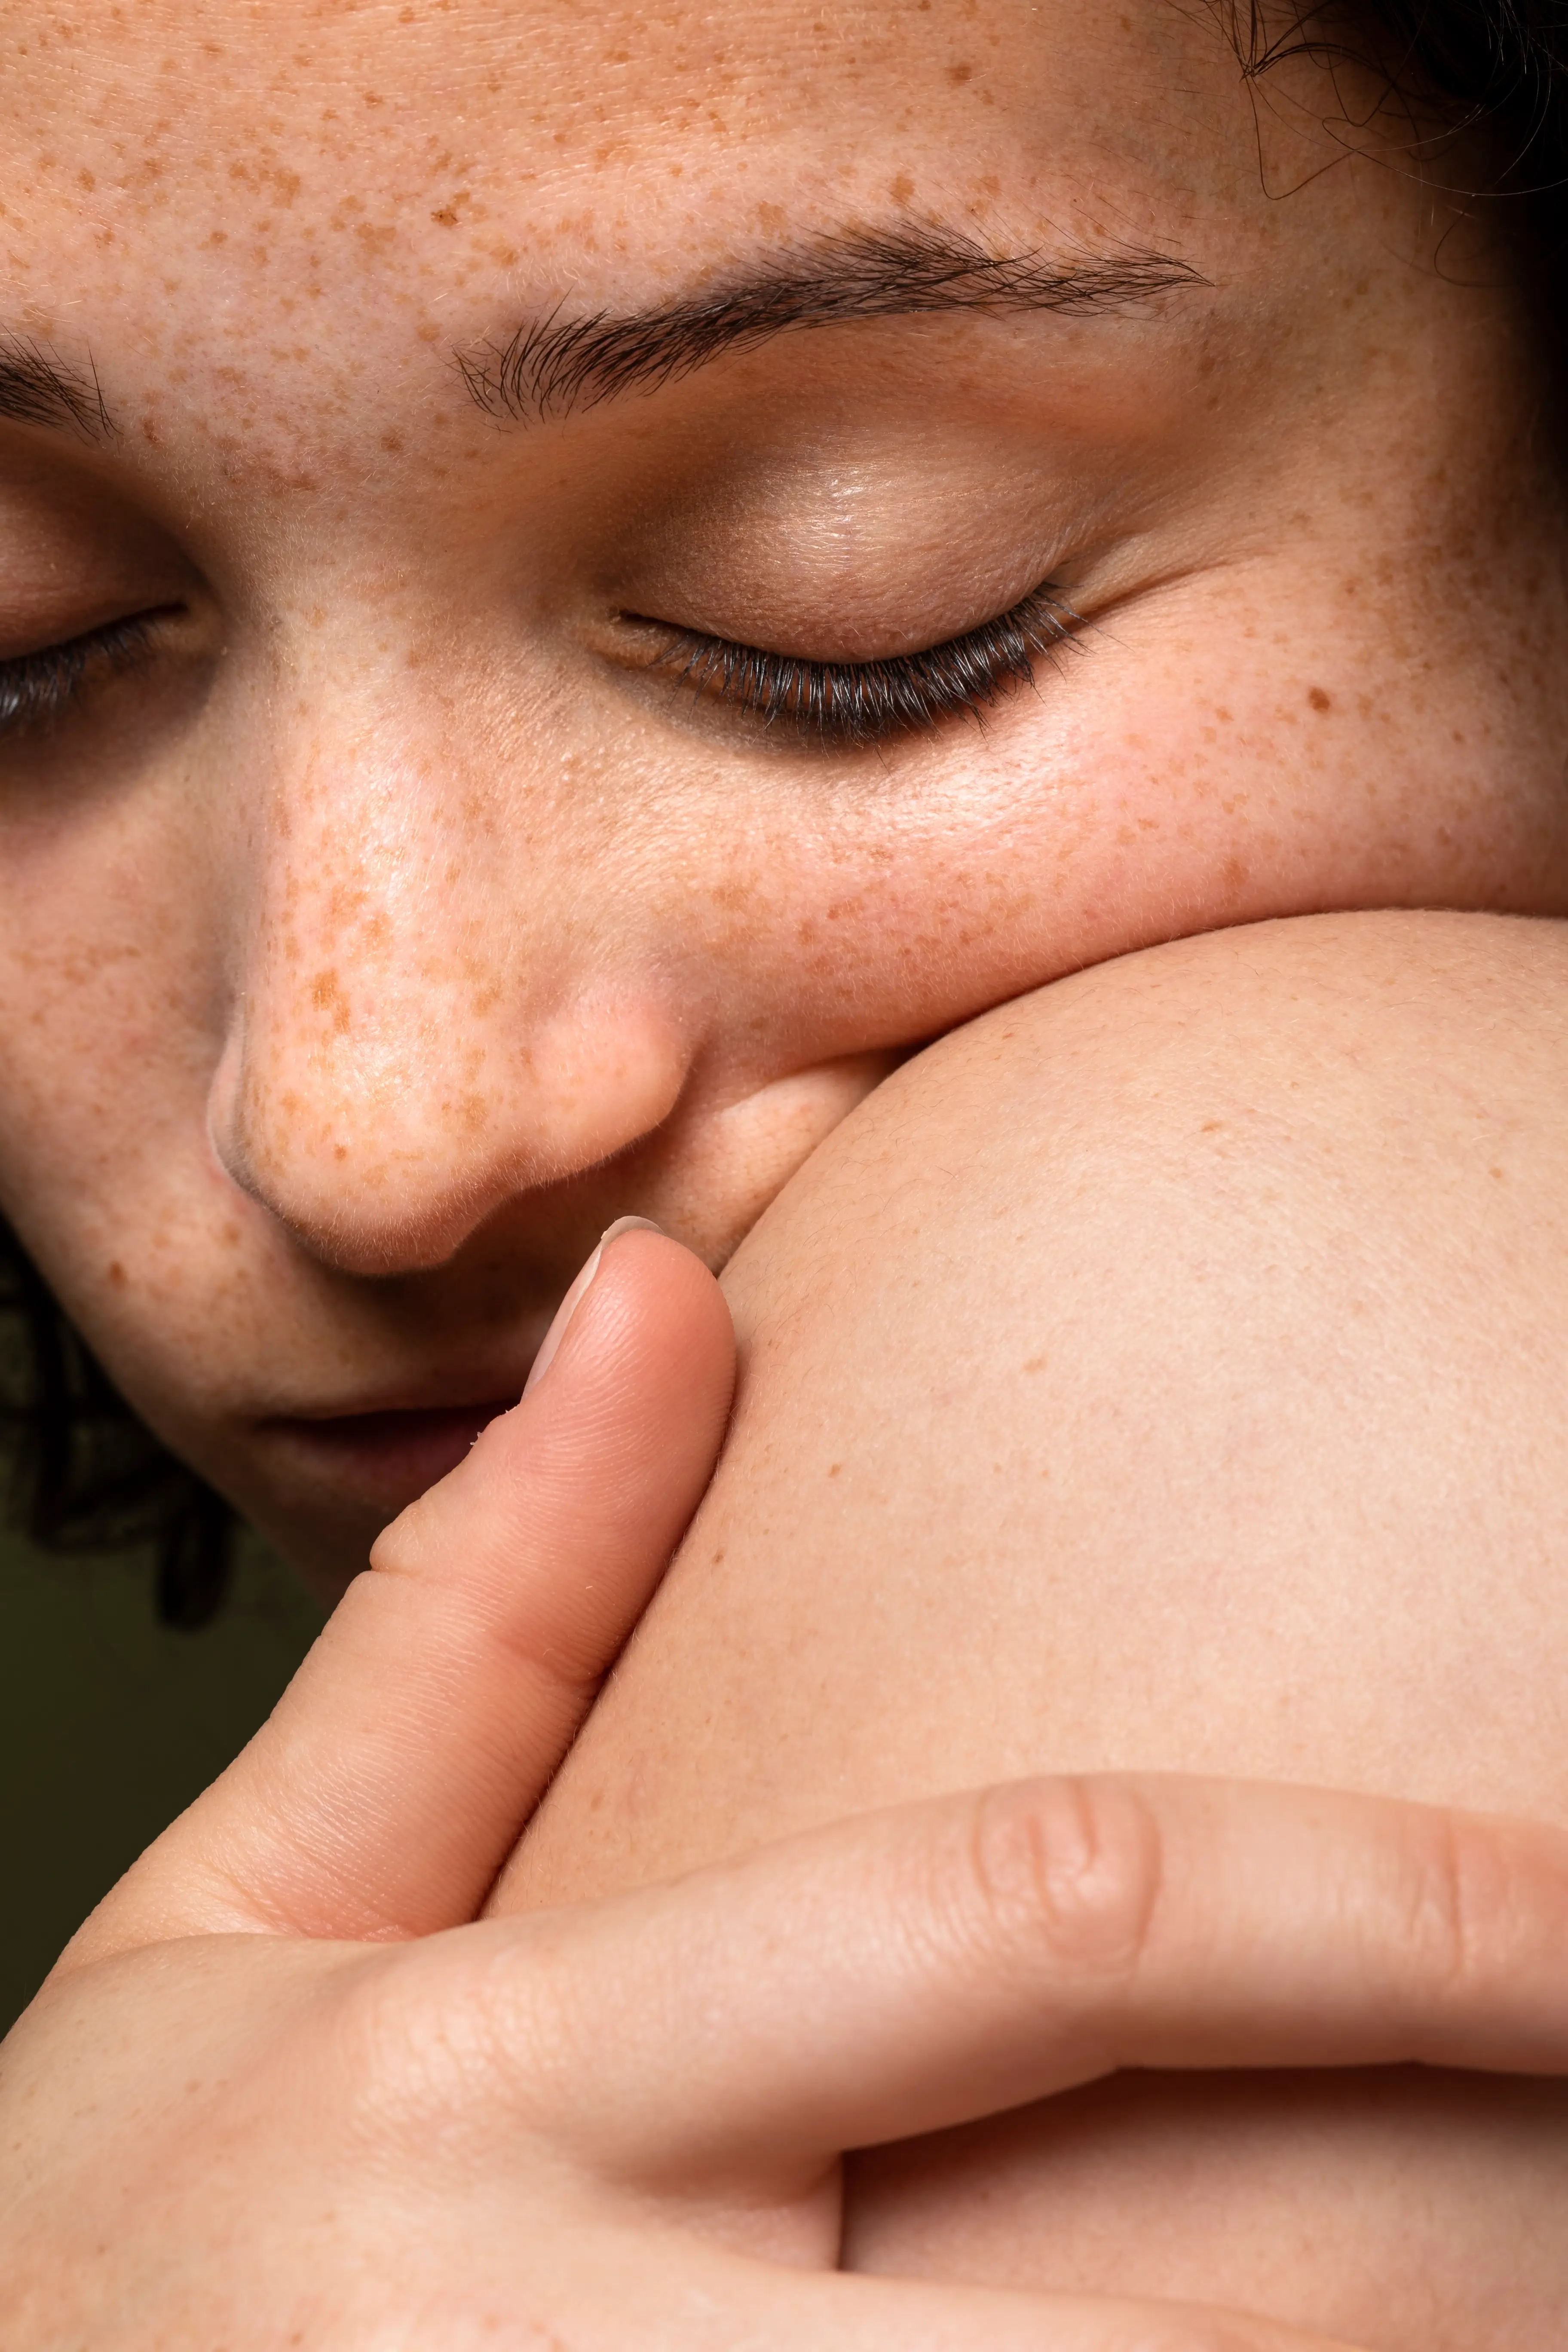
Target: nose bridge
[[423, 1022]]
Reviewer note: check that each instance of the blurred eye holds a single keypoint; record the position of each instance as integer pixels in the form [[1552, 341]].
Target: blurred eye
[[38, 690], [864, 702]]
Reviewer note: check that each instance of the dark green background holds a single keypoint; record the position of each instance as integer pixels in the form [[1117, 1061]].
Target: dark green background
[[110, 1723]]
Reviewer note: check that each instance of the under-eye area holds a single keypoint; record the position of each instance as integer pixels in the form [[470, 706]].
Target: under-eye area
[[39, 689], [864, 702]]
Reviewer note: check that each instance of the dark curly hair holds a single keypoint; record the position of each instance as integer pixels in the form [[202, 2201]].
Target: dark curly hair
[[1478, 78], [88, 1474]]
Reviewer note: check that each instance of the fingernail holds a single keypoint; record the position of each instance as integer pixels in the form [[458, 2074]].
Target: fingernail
[[574, 1296]]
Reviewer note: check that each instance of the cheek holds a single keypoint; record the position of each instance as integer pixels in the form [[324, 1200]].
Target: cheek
[[1263, 761], [104, 1060], [1045, 846]]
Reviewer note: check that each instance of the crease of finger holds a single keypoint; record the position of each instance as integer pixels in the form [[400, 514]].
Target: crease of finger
[[869, 1981], [742, 2301]]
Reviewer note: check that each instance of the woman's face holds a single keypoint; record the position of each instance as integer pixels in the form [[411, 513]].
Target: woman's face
[[403, 887]]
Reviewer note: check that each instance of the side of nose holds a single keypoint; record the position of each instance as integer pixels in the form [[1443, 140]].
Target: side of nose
[[428, 1017]]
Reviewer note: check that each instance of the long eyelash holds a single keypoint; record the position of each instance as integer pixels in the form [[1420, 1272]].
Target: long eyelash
[[37, 688], [866, 702]]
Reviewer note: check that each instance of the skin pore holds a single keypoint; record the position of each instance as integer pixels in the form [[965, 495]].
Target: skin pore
[[398, 917]]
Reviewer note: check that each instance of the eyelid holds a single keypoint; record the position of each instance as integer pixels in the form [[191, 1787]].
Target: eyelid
[[857, 703], [45, 683]]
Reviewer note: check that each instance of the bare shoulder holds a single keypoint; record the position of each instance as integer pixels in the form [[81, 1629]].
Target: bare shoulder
[[1399, 1023], [1169, 1369]]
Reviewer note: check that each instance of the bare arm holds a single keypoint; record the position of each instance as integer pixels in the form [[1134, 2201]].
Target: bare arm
[[280, 2090], [1170, 1372]]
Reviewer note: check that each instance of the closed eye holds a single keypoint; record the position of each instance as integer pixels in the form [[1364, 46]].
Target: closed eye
[[38, 689], [857, 703]]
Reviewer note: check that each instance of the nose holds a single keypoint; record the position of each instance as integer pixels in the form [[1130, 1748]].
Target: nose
[[431, 1013]]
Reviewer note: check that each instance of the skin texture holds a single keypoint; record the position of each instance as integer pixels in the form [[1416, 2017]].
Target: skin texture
[[315, 2117], [394, 926], [396, 922], [1165, 1373]]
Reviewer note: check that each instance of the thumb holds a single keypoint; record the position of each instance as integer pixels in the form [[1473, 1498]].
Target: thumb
[[395, 1775]]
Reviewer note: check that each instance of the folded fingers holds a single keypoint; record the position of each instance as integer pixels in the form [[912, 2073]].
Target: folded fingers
[[909, 1971]]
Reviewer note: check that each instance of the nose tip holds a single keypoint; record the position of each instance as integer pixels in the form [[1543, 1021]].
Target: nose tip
[[381, 1142]]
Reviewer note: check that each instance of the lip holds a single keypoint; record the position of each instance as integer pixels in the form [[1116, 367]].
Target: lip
[[390, 1454]]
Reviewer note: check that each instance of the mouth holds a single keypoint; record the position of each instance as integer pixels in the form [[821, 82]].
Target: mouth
[[386, 1457]]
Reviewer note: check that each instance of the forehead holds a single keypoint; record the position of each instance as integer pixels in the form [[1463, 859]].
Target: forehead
[[526, 106], [219, 192]]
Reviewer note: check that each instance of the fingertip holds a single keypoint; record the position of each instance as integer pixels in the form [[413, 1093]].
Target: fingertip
[[649, 1334], [618, 1438]]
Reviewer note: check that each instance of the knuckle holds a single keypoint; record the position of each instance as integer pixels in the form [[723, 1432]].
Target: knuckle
[[375, 2028], [425, 2035], [1073, 1865], [398, 1550], [1453, 1904]]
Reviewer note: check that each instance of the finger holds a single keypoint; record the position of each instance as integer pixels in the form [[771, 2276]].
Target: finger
[[732, 2301], [912, 2315], [389, 1785], [918, 1968]]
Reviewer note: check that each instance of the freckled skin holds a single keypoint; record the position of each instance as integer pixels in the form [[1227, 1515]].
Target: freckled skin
[[361, 965]]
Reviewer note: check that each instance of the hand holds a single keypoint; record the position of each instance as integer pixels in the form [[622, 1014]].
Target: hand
[[284, 2089]]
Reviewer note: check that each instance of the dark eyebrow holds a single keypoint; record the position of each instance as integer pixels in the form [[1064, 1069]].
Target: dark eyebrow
[[556, 365], [38, 389]]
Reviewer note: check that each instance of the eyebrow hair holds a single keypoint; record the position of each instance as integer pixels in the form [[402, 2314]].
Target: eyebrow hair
[[38, 389], [555, 364]]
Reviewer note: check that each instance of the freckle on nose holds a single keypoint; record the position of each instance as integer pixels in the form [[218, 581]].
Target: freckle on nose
[[327, 996]]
